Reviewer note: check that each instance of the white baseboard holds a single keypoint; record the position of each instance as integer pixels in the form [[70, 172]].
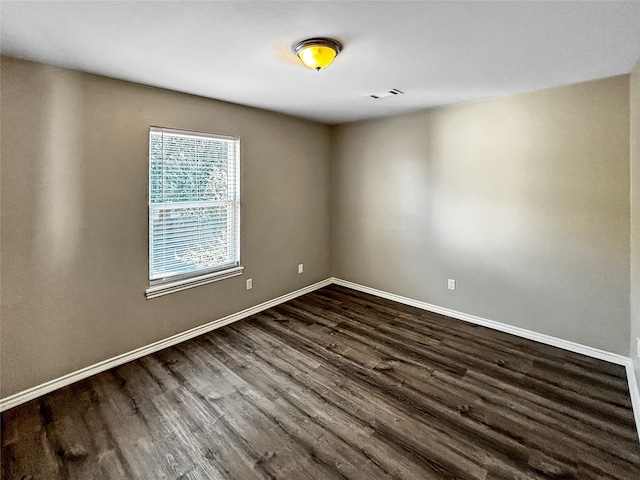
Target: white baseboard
[[519, 332], [42, 389], [39, 390], [634, 391], [503, 327]]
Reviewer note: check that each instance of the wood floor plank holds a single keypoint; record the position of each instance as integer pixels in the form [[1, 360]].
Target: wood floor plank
[[336, 384], [22, 429], [265, 438], [344, 415], [464, 347], [418, 403], [369, 336], [478, 332]]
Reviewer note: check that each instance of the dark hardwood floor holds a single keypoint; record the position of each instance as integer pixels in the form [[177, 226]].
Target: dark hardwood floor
[[336, 384]]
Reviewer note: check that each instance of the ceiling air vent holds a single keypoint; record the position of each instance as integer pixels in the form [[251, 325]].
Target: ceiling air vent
[[385, 93]]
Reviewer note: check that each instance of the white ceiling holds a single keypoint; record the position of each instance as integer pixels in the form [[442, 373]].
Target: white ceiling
[[436, 52]]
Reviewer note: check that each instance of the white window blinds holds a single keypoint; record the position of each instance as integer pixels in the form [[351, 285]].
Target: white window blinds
[[194, 204]]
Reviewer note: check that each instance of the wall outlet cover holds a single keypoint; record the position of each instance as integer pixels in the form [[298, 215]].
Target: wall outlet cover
[[451, 284], [301, 268], [249, 283]]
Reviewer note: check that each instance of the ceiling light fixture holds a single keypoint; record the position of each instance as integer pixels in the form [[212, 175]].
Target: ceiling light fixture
[[317, 53]]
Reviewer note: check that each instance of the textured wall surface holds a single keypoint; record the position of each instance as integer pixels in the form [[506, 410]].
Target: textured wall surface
[[523, 200], [75, 222], [635, 214]]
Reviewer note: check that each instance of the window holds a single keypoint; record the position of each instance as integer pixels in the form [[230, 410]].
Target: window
[[194, 209]]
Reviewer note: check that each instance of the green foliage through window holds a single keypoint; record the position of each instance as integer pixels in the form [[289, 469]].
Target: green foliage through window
[[194, 203]]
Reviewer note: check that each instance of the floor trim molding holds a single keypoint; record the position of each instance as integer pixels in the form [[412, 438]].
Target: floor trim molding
[[503, 327], [44, 388], [634, 391]]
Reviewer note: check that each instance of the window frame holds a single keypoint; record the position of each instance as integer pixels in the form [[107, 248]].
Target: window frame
[[182, 281]]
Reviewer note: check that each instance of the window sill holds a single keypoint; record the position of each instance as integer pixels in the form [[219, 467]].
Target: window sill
[[171, 287]]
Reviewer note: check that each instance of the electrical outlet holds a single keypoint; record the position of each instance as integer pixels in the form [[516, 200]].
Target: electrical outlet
[[301, 268], [451, 284], [249, 283]]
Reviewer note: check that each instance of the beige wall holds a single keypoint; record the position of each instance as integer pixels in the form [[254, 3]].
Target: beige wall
[[635, 214], [74, 217], [523, 200]]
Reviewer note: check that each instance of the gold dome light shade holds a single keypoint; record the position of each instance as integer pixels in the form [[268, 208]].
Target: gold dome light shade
[[317, 53]]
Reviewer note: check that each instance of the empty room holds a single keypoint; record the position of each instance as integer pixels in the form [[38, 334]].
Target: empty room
[[320, 240]]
